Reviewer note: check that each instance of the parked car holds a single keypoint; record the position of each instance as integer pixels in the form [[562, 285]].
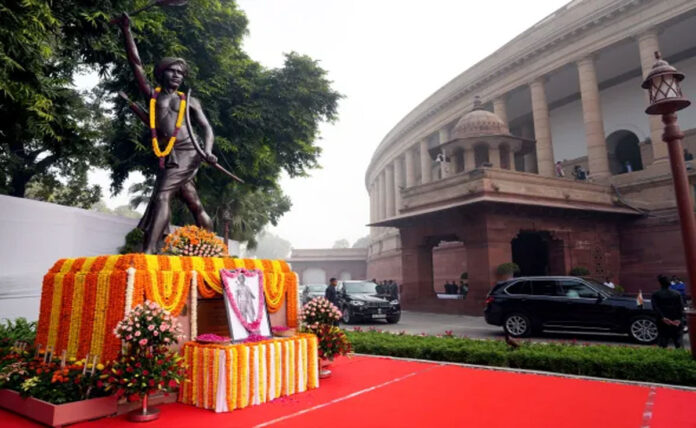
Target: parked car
[[311, 291], [526, 305], [358, 300]]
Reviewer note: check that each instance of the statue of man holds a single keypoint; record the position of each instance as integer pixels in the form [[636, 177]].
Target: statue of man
[[179, 167], [245, 300]]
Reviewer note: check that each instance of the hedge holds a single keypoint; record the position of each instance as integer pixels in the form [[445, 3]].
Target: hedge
[[649, 364]]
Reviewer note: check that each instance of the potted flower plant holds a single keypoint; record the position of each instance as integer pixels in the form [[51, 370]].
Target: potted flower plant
[[320, 317], [146, 365]]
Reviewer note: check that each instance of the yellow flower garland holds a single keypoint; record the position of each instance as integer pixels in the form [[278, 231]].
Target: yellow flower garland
[[76, 316], [100, 308], [153, 130]]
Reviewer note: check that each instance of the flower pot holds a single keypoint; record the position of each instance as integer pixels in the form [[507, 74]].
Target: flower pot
[[57, 414], [324, 365], [145, 413]]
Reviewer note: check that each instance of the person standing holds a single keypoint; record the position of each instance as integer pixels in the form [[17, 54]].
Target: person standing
[[678, 285], [559, 169], [608, 283], [669, 307], [330, 294]]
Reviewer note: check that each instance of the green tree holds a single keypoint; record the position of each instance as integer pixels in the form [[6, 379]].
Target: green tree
[[74, 192], [266, 120]]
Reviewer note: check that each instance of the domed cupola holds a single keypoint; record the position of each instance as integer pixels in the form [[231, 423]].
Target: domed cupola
[[479, 123]]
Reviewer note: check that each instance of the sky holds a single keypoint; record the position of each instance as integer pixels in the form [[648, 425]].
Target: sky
[[385, 57]]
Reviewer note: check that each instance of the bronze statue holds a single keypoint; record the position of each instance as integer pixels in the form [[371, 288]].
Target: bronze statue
[[178, 168]]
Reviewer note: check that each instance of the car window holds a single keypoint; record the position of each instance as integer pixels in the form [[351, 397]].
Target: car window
[[576, 289], [520, 287], [360, 287], [544, 287]]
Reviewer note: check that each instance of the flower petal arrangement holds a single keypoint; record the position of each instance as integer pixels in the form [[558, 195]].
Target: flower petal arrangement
[[194, 241], [319, 311], [146, 364]]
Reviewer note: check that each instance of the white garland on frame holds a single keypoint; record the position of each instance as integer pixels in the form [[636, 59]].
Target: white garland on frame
[[130, 286], [194, 304]]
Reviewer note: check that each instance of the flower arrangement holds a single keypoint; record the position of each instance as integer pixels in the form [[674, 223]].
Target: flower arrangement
[[332, 341], [148, 325], [146, 364], [212, 338], [319, 311], [318, 317], [194, 241]]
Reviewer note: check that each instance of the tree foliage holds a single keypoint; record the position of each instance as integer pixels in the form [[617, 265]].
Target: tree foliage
[[341, 243], [266, 121]]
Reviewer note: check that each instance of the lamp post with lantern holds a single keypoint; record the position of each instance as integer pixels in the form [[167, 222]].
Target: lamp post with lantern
[[666, 99]]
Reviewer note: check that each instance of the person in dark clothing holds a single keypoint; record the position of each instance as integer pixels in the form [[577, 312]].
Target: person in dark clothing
[[380, 289], [393, 291], [330, 293], [669, 307]]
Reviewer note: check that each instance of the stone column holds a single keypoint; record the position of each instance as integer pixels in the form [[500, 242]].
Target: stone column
[[542, 128], [398, 174], [511, 159], [648, 43], [446, 168], [371, 192], [426, 163], [416, 267], [500, 109], [389, 176], [410, 161], [469, 159], [381, 191], [494, 154], [529, 159], [597, 157]]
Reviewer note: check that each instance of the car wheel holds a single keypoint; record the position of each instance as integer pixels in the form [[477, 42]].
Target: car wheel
[[394, 319], [347, 317], [643, 330], [517, 325]]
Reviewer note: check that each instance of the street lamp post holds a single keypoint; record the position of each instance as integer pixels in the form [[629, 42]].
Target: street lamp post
[[666, 99]]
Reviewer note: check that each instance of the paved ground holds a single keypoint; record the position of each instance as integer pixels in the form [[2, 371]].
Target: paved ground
[[476, 327]]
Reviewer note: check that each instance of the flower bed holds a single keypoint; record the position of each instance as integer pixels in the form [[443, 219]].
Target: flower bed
[[649, 364]]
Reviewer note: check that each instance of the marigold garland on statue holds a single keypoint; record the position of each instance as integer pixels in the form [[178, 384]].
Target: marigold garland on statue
[[153, 125], [194, 241]]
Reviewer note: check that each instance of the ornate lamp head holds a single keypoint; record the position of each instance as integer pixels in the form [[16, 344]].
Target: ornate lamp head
[[662, 84]]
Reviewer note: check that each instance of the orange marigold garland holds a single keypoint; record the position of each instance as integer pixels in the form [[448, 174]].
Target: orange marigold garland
[[45, 310], [291, 292], [89, 304]]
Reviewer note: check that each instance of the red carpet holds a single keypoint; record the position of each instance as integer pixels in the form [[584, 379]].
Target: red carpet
[[379, 392]]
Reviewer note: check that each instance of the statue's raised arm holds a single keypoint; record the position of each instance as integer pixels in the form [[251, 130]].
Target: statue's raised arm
[[133, 56]]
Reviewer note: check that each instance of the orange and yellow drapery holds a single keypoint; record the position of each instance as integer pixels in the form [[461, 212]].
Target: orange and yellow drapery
[[83, 299], [255, 373]]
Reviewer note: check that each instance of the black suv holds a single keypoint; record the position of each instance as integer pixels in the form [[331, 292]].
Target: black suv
[[530, 304], [358, 300]]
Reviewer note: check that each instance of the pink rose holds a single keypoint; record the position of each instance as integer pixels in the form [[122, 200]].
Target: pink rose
[[151, 327], [137, 333], [162, 327], [142, 342]]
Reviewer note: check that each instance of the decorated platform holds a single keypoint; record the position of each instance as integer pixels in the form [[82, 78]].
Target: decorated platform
[[83, 299], [228, 377]]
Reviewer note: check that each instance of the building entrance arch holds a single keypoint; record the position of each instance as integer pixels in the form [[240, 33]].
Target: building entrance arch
[[624, 152]]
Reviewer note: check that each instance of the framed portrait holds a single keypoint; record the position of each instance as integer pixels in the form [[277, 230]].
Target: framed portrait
[[245, 303]]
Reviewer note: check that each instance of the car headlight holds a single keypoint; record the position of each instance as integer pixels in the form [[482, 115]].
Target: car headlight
[[357, 302], [394, 302]]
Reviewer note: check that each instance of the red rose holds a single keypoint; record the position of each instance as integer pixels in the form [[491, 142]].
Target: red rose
[[151, 382], [172, 383], [129, 369], [145, 372], [100, 384], [138, 365]]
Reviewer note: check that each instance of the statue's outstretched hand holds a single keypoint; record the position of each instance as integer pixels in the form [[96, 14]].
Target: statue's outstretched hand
[[211, 158]]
